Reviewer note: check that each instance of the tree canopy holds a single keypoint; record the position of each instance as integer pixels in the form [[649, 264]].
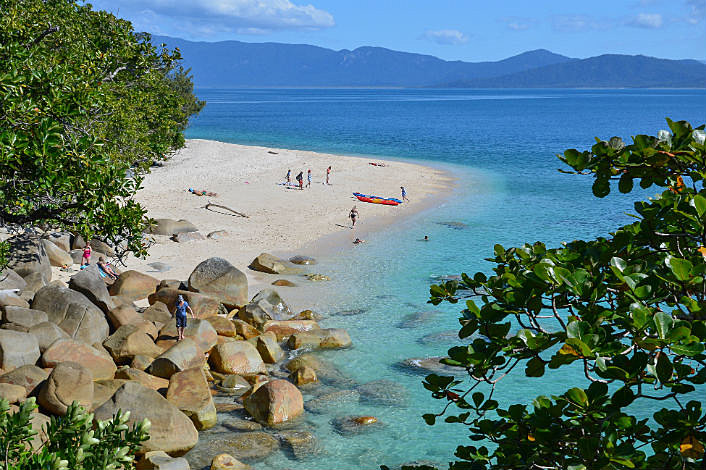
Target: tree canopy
[[625, 314], [86, 105]]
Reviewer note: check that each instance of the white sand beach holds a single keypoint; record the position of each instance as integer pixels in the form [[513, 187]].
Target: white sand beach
[[280, 219]]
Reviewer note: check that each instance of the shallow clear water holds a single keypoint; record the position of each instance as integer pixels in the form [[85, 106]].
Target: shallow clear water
[[502, 146]]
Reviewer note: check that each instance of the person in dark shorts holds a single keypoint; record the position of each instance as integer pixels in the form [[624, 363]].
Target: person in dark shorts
[[300, 180], [182, 307]]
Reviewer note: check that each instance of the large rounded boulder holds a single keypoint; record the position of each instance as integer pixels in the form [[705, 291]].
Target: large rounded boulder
[[98, 362], [27, 255], [237, 357], [221, 280], [9, 279], [68, 382], [266, 305], [270, 264], [275, 402], [181, 356], [188, 390], [73, 312], [129, 341], [89, 282], [202, 305], [200, 331], [29, 377], [172, 431], [17, 349], [134, 285], [170, 227], [57, 256]]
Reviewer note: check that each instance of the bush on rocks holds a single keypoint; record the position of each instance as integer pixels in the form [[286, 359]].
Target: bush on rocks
[[171, 430]]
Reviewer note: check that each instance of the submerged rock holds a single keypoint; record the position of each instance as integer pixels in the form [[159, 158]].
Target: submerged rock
[[433, 365], [302, 260], [417, 319], [351, 312], [324, 403], [352, 425], [301, 444], [384, 393], [454, 224]]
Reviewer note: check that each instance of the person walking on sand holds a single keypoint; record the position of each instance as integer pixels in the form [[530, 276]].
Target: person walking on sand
[[404, 194], [353, 215], [180, 314], [86, 258], [308, 178], [300, 180], [328, 174], [289, 176]]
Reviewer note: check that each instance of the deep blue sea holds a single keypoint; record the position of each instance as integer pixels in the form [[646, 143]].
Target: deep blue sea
[[502, 145]]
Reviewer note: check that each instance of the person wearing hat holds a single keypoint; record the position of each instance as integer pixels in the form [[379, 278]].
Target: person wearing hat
[[182, 307]]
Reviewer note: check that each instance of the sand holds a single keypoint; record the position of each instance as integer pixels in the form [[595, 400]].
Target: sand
[[280, 220]]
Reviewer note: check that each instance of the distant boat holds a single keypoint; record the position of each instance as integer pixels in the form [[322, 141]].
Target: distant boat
[[388, 201]]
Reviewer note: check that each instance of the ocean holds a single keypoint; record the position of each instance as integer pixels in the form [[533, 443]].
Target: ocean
[[502, 146]]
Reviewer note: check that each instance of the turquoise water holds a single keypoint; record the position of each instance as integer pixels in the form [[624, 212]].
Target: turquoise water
[[502, 146]]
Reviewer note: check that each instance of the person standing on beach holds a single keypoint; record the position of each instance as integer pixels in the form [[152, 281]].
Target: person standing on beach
[[289, 176], [86, 258], [353, 216], [328, 174], [300, 180], [180, 314], [308, 178], [404, 194]]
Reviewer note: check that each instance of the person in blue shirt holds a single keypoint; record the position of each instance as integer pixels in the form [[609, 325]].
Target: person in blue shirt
[[404, 194], [182, 307]]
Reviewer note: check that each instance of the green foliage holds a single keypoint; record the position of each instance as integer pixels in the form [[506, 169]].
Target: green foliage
[[72, 441], [86, 105], [625, 314]]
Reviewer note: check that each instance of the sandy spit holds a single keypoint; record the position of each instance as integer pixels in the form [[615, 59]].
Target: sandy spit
[[280, 220]]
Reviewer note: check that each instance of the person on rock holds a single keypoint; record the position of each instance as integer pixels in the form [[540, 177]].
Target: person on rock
[[182, 307], [107, 269], [86, 258]]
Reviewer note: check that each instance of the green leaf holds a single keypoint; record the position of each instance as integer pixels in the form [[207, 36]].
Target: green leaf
[[577, 396], [535, 367], [618, 263], [699, 203], [625, 183], [680, 268], [664, 368], [664, 323], [429, 418]]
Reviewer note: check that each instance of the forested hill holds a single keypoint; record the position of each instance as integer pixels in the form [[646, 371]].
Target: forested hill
[[232, 64], [605, 71]]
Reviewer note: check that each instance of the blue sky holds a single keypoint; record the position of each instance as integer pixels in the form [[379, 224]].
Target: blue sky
[[469, 30]]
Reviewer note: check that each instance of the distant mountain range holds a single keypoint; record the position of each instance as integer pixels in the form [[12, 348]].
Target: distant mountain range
[[234, 64]]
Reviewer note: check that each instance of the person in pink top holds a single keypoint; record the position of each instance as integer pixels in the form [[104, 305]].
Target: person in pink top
[[86, 258]]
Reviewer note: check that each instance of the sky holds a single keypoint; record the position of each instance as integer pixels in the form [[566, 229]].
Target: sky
[[470, 30]]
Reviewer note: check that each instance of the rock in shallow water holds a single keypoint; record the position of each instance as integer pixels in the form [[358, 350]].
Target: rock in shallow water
[[301, 260], [426, 365], [302, 444], [324, 403], [247, 445], [417, 319], [352, 425], [383, 392]]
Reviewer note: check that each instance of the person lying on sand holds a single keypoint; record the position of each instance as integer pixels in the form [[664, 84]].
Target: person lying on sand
[[202, 192], [358, 241]]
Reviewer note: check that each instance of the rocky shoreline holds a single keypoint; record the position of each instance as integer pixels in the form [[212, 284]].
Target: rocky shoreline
[[237, 378]]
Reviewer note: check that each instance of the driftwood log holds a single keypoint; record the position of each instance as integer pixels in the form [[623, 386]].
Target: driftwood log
[[210, 205]]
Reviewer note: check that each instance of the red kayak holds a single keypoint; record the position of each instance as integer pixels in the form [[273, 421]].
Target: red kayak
[[378, 200]]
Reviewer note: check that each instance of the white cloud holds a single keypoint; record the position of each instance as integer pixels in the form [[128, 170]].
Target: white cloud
[[516, 23], [579, 23], [646, 20], [446, 37], [210, 16]]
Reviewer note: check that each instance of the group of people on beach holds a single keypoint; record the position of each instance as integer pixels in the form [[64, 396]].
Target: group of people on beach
[[300, 178]]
